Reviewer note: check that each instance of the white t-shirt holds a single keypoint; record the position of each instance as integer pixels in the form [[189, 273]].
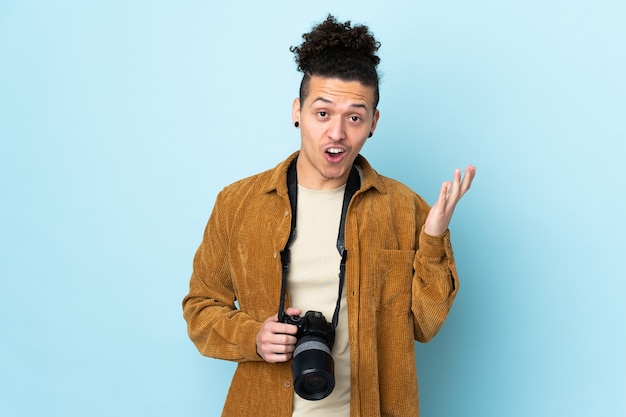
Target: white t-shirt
[[313, 284]]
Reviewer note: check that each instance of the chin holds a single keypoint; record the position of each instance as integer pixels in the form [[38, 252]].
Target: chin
[[334, 174]]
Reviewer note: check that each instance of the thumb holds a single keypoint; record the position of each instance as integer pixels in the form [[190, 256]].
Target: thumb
[[293, 311]]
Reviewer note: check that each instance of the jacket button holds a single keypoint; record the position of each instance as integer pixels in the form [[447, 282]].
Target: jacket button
[[287, 384], [286, 213], [275, 255]]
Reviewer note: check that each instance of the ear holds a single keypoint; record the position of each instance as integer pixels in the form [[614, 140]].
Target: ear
[[295, 111], [375, 120]]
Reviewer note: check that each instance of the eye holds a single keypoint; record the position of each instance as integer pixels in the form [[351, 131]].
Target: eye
[[322, 113], [355, 118]]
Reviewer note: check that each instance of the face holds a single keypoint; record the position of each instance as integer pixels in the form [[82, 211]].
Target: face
[[336, 119]]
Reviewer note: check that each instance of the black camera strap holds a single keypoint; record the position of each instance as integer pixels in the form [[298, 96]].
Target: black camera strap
[[352, 186]]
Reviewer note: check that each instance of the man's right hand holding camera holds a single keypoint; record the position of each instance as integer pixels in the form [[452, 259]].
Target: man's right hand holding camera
[[276, 341]]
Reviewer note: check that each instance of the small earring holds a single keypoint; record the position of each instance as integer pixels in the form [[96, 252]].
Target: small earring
[[297, 124], [371, 134]]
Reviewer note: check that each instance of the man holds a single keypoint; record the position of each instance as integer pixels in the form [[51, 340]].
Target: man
[[400, 278]]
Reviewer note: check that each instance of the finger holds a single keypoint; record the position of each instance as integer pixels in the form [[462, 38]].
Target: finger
[[276, 342], [443, 192], [278, 348], [270, 354], [277, 328], [470, 172], [446, 188], [455, 187], [277, 357], [293, 311], [271, 339]]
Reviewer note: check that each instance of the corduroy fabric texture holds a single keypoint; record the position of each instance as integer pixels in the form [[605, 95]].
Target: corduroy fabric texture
[[400, 286]]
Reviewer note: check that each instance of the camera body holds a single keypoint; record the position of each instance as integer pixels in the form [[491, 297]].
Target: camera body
[[313, 323], [312, 364]]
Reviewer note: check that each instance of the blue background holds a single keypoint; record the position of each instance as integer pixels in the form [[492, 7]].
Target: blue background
[[121, 120]]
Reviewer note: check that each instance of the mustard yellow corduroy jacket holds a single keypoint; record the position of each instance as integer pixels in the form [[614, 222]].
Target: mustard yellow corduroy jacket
[[400, 285]]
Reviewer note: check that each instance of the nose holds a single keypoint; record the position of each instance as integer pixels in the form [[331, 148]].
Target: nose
[[336, 129]]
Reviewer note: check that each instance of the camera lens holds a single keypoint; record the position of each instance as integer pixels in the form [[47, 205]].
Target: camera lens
[[313, 385], [313, 369]]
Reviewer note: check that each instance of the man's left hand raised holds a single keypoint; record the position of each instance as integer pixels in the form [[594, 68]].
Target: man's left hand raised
[[451, 192]]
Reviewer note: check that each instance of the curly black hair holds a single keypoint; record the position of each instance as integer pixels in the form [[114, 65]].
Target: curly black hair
[[338, 50]]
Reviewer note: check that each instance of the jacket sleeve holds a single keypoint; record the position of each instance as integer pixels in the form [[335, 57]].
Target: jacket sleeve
[[214, 323], [435, 284]]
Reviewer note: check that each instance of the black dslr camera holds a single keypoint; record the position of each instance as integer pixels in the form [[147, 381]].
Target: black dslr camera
[[312, 365]]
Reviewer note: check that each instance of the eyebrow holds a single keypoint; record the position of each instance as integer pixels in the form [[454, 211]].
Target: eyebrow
[[327, 101]]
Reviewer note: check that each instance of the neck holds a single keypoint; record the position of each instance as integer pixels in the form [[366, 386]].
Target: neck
[[314, 180]]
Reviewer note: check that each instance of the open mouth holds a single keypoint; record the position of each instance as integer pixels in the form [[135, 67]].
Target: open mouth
[[334, 153]]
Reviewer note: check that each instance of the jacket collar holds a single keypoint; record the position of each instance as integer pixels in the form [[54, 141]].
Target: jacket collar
[[277, 181]]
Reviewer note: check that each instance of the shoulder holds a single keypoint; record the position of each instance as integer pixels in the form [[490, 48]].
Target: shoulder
[[396, 187], [401, 198], [386, 187], [256, 189], [248, 185]]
